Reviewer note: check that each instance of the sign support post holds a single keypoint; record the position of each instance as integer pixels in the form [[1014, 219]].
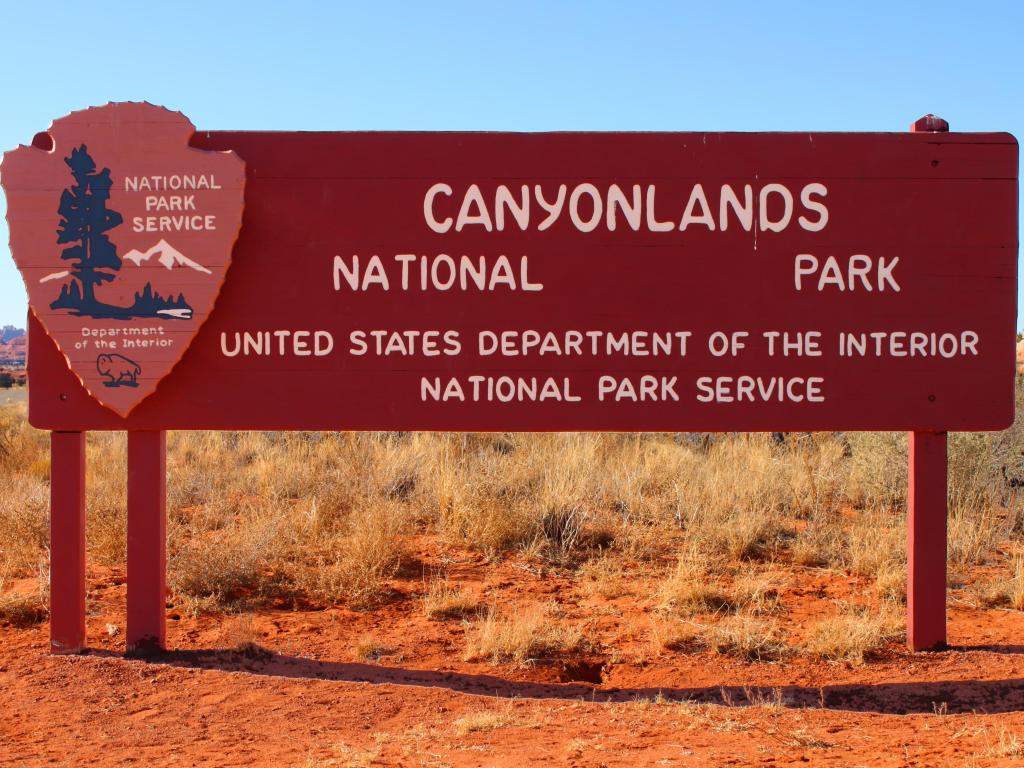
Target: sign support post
[[67, 542], [147, 541], [926, 541], [926, 515]]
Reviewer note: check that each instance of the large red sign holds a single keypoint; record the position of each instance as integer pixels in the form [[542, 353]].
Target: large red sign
[[659, 281]]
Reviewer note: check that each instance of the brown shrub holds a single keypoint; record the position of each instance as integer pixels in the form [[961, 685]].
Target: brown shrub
[[369, 648], [242, 560], [355, 567]]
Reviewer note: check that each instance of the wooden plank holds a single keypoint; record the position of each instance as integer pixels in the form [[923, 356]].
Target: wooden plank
[[578, 155]]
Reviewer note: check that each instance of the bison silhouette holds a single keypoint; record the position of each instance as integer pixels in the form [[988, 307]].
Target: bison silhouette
[[118, 370]]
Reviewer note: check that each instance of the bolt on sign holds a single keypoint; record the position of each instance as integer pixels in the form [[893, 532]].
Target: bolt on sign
[[509, 281]]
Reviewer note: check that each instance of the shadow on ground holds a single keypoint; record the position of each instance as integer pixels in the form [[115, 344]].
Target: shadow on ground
[[946, 697]]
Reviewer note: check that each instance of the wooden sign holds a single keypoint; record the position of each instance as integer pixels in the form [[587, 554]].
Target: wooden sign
[[492, 281], [644, 281], [123, 235]]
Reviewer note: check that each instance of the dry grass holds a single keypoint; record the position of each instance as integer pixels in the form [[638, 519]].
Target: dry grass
[[1008, 745], [24, 493], [743, 636], [241, 636], [229, 562], [972, 534], [285, 518], [877, 470], [24, 523], [21, 610], [23, 450], [676, 635], [847, 638], [877, 550], [486, 720], [521, 637], [1008, 592], [747, 637], [731, 503], [106, 518], [820, 542], [606, 577], [355, 567], [443, 601], [757, 591], [817, 473], [369, 648], [692, 587], [24, 609]]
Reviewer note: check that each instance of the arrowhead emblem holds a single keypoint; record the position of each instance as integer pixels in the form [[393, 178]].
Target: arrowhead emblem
[[123, 235]]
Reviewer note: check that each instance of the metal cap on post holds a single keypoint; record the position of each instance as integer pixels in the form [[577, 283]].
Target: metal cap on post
[[929, 124]]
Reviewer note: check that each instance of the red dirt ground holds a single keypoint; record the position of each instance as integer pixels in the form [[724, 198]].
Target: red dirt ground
[[304, 698]]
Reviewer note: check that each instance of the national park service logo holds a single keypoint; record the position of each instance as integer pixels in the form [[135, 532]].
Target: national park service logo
[[123, 234]]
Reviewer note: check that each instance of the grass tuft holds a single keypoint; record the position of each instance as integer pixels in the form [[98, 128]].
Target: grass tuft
[[485, 720], [443, 601], [522, 637], [847, 638], [748, 638], [692, 588]]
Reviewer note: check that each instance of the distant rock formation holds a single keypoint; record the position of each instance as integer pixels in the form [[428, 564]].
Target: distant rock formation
[[14, 352], [9, 332]]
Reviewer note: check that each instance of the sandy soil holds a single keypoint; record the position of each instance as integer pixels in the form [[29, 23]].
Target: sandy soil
[[299, 694]]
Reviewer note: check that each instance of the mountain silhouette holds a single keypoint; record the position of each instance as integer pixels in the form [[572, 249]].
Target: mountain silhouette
[[166, 255]]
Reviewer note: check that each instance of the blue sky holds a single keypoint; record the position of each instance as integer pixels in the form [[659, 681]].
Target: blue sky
[[523, 66]]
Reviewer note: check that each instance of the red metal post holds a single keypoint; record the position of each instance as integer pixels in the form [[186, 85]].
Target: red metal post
[[67, 542], [147, 541], [926, 541]]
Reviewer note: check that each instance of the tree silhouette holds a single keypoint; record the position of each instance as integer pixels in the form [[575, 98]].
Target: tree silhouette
[[84, 220]]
